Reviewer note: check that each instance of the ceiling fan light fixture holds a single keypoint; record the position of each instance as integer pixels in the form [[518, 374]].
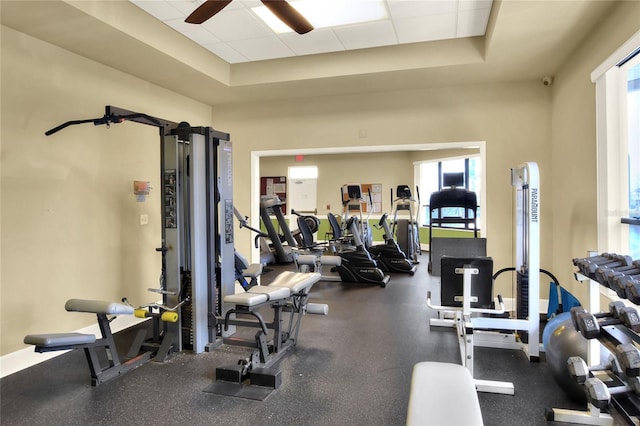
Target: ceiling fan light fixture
[[327, 13]]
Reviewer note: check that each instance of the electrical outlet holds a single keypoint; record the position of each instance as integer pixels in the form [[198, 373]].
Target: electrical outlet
[[144, 219]]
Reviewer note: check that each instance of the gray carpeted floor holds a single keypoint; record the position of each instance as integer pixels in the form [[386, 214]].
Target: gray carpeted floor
[[352, 367]]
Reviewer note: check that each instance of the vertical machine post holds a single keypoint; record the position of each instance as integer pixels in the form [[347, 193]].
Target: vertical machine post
[[197, 176], [172, 216], [526, 181], [226, 278]]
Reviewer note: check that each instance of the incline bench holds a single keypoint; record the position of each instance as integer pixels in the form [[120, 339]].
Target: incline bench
[[106, 344]]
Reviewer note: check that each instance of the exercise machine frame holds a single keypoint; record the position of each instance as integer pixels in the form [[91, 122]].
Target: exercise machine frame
[[526, 182], [465, 330]]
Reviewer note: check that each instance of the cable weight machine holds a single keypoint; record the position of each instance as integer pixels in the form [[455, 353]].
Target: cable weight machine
[[196, 174]]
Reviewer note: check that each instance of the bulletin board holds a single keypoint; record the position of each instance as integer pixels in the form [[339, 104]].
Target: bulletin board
[[275, 185], [376, 196]]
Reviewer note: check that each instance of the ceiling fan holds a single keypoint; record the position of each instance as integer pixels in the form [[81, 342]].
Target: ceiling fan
[[283, 10]]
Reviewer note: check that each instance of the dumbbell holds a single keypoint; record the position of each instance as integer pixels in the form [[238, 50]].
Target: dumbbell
[[603, 256], [599, 395], [611, 273], [589, 324], [629, 357], [615, 309], [605, 274], [625, 359], [582, 263], [618, 283], [589, 268], [632, 288], [579, 370]]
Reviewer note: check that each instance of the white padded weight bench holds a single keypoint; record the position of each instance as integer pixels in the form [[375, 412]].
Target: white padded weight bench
[[288, 293], [443, 394]]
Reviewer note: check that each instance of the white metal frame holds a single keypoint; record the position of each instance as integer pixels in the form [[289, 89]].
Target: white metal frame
[[593, 415], [526, 181], [464, 328]]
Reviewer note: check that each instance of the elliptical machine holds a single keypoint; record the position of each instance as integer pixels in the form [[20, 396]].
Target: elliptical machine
[[389, 255], [357, 265], [406, 229], [351, 204]]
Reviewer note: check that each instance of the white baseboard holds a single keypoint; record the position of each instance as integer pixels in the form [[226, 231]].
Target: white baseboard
[[27, 357]]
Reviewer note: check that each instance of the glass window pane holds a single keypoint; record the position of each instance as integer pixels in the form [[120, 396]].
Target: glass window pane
[[633, 120], [428, 185], [453, 166]]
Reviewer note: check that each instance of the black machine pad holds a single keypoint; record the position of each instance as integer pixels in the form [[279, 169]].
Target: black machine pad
[[451, 287]]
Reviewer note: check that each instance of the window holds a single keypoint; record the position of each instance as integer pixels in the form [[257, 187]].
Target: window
[[431, 179], [631, 84], [618, 149]]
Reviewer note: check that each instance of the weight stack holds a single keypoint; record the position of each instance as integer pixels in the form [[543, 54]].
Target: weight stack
[[522, 304]]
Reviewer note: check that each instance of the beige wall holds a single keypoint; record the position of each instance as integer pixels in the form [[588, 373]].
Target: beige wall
[[70, 222], [390, 169], [513, 119], [573, 147]]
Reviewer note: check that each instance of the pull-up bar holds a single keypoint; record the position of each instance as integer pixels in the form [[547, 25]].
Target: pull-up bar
[[115, 115]]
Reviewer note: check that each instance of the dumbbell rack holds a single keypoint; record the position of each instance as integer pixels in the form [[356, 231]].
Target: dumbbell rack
[[625, 408]]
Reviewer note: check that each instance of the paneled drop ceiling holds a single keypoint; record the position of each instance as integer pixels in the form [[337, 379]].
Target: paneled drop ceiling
[[424, 43], [237, 35]]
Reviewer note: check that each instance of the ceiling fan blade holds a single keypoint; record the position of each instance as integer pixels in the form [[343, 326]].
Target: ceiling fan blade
[[206, 10], [289, 15]]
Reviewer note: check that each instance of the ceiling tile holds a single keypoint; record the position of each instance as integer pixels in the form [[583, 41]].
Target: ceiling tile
[[317, 41], [472, 23], [370, 34], [159, 9], [401, 9], [259, 49], [426, 28], [196, 33], [184, 6], [238, 24], [226, 53], [474, 4]]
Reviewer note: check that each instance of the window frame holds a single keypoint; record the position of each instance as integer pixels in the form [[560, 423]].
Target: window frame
[[611, 154]]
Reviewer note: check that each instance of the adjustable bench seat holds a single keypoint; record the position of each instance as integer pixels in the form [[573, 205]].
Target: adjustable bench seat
[[442, 394], [98, 307], [285, 285], [257, 295], [296, 281], [59, 339]]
